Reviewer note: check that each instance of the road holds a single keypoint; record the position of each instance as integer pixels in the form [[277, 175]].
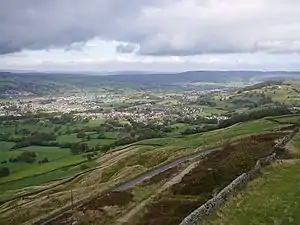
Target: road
[[126, 218], [161, 169]]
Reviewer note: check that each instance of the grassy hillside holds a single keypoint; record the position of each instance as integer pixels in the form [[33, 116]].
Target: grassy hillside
[[272, 199], [218, 136]]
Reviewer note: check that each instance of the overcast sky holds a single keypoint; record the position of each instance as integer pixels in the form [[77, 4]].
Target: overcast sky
[[157, 35]]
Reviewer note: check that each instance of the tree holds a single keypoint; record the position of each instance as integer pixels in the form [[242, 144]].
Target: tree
[[101, 136], [78, 148], [81, 134], [4, 171], [26, 156], [45, 160], [84, 167], [89, 157], [57, 128], [88, 137], [35, 139]]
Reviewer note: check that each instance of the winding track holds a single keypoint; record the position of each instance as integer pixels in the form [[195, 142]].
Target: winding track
[[161, 169], [174, 180]]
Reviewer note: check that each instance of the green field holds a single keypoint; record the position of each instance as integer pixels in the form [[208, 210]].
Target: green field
[[58, 174], [288, 119], [225, 134], [36, 169], [52, 154], [212, 110], [101, 142], [272, 199], [216, 136], [68, 138], [95, 122]]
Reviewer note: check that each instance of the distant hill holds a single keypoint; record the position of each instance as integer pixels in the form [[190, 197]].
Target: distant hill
[[45, 83]]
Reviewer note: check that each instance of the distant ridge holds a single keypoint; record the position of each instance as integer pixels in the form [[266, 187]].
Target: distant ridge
[[41, 83]]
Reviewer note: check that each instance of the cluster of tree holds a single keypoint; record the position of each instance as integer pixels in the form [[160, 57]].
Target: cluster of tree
[[251, 100], [81, 134], [43, 139], [115, 126], [25, 156], [5, 136], [152, 125], [22, 132], [206, 100], [44, 160], [198, 121], [134, 136], [199, 129], [63, 119], [79, 148], [138, 135], [237, 118], [254, 115]]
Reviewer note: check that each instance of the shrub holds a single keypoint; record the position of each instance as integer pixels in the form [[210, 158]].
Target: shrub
[[84, 167], [4, 171], [81, 134]]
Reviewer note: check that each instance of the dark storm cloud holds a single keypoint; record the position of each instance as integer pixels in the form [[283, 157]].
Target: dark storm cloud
[[164, 27], [5, 48], [39, 24]]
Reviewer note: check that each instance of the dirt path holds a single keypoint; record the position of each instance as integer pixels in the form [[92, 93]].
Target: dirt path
[[126, 218]]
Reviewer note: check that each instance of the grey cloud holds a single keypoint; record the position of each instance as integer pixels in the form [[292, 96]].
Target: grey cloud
[[126, 48], [279, 46], [165, 27], [38, 24], [5, 48]]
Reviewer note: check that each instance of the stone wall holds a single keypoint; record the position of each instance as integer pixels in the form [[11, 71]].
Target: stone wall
[[211, 205], [281, 143]]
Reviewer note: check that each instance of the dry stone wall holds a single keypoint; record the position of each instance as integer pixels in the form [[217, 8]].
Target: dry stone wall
[[211, 205], [281, 143]]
